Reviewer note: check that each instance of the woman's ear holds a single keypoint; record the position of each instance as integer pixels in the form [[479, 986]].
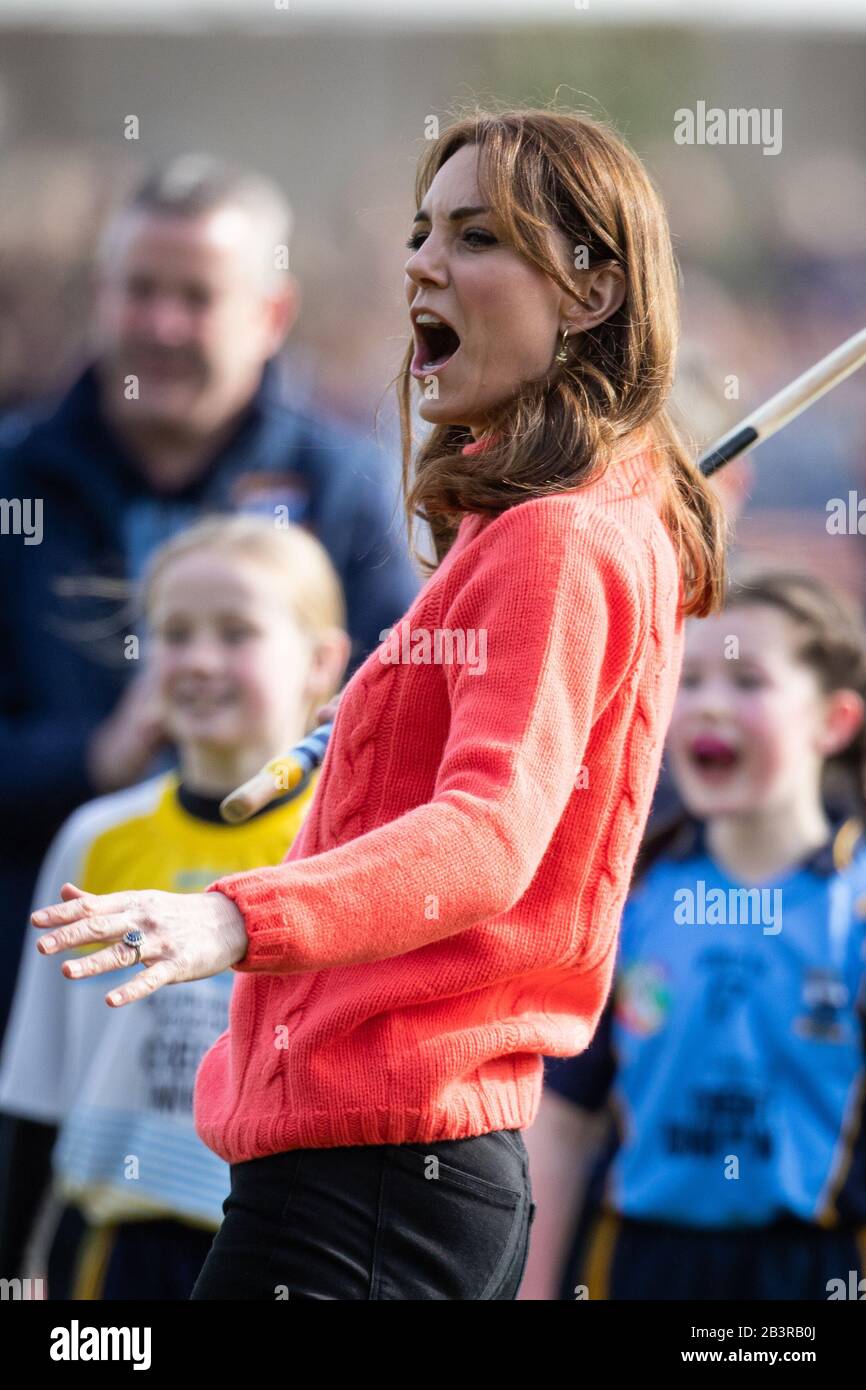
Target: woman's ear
[[603, 289], [843, 717]]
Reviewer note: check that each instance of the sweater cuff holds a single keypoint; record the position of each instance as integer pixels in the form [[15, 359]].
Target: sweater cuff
[[241, 890]]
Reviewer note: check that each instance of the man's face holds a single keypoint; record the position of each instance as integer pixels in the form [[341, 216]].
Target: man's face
[[185, 307]]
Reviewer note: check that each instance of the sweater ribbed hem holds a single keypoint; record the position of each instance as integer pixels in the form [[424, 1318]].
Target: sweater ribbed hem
[[478, 1109]]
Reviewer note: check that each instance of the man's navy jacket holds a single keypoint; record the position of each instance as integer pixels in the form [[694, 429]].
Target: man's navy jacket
[[62, 663]]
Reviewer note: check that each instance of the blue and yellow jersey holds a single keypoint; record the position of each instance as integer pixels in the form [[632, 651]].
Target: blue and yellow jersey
[[119, 1082], [732, 1050]]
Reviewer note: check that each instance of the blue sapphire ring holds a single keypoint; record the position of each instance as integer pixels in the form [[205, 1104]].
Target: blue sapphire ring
[[134, 939]]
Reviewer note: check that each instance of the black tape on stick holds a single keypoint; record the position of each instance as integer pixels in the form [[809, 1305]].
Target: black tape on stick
[[727, 450]]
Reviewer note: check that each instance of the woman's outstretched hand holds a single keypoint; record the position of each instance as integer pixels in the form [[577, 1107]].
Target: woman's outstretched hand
[[186, 936]]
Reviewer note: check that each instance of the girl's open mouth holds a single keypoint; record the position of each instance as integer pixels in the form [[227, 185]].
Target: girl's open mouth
[[712, 756], [436, 343]]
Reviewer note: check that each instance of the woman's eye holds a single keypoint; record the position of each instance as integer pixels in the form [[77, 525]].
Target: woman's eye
[[483, 238], [487, 239]]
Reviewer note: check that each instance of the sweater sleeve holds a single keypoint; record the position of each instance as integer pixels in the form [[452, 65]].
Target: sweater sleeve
[[556, 597]]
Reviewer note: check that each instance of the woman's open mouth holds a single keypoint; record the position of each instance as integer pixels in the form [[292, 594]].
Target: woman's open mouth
[[436, 343]]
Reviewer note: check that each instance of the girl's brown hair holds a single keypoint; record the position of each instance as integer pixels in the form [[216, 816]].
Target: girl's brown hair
[[829, 638], [300, 563], [545, 171]]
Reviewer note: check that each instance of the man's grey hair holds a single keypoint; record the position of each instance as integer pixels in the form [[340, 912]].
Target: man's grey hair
[[194, 185]]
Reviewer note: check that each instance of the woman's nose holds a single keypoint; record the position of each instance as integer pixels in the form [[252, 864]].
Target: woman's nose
[[426, 266]]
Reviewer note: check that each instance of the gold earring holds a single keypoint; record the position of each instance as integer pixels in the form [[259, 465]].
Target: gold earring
[[562, 355]]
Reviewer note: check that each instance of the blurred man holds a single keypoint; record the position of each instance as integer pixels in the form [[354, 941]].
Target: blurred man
[[178, 414]]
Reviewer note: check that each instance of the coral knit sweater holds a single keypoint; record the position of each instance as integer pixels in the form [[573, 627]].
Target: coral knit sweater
[[449, 912]]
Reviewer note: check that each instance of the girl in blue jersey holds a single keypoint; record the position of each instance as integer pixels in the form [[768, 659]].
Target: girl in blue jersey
[[713, 1131], [246, 624]]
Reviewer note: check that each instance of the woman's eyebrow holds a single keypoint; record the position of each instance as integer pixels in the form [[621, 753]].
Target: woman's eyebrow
[[456, 216]]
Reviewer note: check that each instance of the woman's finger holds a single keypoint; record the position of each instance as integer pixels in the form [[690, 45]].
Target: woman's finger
[[57, 914], [146, 982], [85, 905], [92, 929], [70, 892], [115, 957]]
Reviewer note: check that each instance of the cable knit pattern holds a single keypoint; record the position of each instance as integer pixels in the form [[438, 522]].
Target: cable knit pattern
[[342, 812], [448, 914]]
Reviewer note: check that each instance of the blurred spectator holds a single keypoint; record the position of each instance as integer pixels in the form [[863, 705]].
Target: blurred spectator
[[178, 415]]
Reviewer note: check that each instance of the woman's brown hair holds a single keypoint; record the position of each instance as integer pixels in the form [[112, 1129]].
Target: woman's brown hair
[[545, 171]]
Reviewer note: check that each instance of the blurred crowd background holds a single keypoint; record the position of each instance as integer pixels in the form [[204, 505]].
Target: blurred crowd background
[[771, 246], [335, 104]]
